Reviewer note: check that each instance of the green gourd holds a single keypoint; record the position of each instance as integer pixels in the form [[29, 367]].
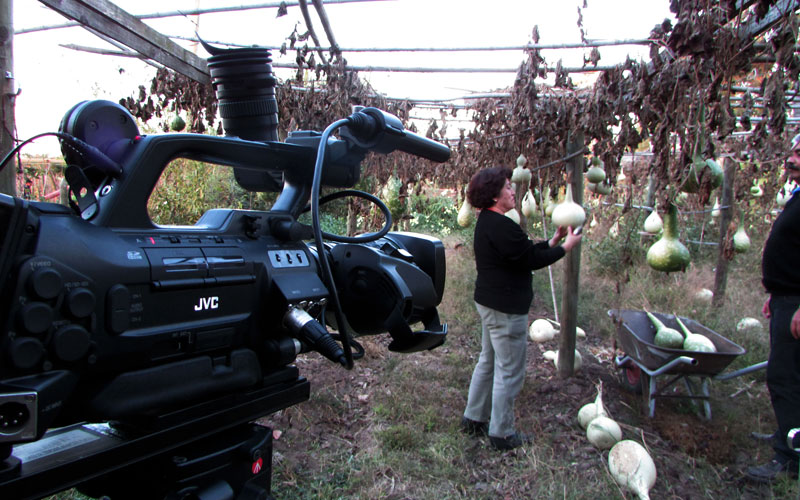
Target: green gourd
[[596, 174], [665, 336], [695, 341], [668, 254]]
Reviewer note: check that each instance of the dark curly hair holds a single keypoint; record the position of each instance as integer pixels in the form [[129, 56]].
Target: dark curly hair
[[486, 185]]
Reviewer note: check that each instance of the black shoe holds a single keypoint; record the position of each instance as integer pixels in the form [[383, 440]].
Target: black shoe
[[473, 427], [510, 442], [771, 471]]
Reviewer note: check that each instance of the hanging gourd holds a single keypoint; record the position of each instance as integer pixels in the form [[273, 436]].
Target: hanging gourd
[[596, 174], [741, 242], [783, 195], [700, 166], [466, 213], [613, 231], [715, 210], [653, 223], [621, 178], [568, 213], [668, 254], [755, 190], [549, 204], [521, 175], [528, 204], [513, 215]]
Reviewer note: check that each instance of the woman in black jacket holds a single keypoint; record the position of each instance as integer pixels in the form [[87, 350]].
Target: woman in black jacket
[[504, 258]]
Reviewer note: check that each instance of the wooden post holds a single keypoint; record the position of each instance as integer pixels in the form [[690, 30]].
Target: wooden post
[[7, 96], [572, 266], [726, 215]]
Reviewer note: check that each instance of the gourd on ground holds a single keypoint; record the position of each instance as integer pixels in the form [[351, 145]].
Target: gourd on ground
[[541, 330], [603, 432], [590, 411], [553, 356], [704, 296], [632, 467]]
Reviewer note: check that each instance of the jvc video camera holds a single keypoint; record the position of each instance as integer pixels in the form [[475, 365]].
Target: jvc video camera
[[133, 356]]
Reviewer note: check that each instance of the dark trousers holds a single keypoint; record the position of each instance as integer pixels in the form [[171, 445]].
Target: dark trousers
[[783, 373]]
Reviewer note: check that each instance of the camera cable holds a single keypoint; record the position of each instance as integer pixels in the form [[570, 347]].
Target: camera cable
[[94, 156], [317, 229], [363, 238]]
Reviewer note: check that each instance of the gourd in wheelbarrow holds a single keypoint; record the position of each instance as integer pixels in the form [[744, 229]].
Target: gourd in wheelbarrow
[[695, 341], [665, 336]]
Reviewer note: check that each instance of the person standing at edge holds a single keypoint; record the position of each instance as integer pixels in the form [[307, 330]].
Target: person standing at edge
[[504, 258], [781, 278]]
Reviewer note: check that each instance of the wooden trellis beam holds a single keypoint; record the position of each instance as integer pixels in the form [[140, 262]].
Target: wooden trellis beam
[[193, 12], [113, 22]]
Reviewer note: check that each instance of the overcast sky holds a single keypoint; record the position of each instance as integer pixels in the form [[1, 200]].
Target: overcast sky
[[52, 78]]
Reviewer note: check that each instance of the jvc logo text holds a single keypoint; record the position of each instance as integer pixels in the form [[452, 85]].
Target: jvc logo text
[[207, 303]]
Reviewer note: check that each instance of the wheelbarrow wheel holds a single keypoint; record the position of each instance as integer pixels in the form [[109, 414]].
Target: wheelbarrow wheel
[[633, 379]]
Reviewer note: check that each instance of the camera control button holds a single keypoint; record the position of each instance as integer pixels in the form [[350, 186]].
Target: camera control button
[[46, 282], [70, 343], [118, 312], [36, 317], [80, 302], [26, 352]]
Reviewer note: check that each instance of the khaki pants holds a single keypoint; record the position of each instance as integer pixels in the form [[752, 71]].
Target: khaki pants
[[498, 376]]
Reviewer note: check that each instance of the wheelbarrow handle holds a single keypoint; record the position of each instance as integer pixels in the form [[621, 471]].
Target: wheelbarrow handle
[[744, 371]]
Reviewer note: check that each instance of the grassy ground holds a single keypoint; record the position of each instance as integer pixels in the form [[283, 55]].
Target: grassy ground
[[388, 429]]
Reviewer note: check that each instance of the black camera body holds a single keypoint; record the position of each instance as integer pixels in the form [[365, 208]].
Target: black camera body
[[125, 344]]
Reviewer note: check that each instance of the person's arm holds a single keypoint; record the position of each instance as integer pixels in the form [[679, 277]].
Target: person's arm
[[795, 326]]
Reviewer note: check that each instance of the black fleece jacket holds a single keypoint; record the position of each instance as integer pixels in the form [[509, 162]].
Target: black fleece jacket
[[504, 258], [779, 263]]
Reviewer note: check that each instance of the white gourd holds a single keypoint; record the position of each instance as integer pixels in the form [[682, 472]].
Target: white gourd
[[568, 213], [528, 204], [541, 330], [603, 432], [579, 332], [513, 215], [653, 223], [553, 356], [521, 175], [741, 242], [749, 325], [632, 468], [614, 230], [704, 296], [590, 411], [466, 213], [715, 210]]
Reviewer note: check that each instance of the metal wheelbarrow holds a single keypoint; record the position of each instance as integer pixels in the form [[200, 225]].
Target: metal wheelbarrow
[[644, 363]]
